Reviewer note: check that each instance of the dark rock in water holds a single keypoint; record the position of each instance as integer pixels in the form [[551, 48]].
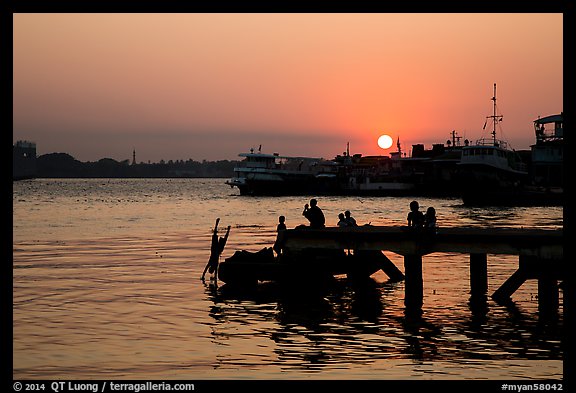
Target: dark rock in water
[[246, 268]]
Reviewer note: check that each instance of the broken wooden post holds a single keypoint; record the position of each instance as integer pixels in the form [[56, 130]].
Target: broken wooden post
[[503, 294], [216, 249], [389, 268]]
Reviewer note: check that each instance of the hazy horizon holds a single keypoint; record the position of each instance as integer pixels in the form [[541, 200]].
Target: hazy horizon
[[210, 86]]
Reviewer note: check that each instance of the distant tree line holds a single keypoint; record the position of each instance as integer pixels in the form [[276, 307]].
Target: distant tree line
[[62, 165]]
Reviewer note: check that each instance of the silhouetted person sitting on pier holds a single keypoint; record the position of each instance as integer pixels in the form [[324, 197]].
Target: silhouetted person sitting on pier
[[342, 221], [349, 219], [314, 214], [430, 224], [280, 235], [415, 216]]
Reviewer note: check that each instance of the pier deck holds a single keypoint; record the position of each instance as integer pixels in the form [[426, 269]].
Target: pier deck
[[540, 254], [541, 243]]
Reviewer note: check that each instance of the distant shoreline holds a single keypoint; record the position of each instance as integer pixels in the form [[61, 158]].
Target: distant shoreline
[[122, 177], [64, 166]]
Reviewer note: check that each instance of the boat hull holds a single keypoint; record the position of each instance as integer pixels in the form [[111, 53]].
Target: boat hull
[[305, 185], [488, 185]]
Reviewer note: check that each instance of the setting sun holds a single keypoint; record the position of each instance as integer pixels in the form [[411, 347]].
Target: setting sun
[[385, 141]]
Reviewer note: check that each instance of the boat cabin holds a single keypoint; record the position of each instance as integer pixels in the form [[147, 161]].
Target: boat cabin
[[491, 153], [548, 152], [260, 160], [549, 128]]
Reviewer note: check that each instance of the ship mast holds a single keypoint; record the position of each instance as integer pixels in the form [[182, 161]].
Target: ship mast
[[455, 138], [495, 118]]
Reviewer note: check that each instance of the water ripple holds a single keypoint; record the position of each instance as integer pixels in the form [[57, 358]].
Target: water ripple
[[106, 285]]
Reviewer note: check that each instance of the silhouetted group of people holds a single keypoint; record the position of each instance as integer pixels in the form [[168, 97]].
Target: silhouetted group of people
[[418, 220], [346, 220], [314, 214]]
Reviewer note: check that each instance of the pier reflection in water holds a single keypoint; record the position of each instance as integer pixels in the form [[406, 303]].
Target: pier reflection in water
[[364, 324]]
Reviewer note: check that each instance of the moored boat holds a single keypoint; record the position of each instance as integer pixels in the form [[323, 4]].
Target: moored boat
[[545, 184], [272, 174], [490, 169], [425, 172]]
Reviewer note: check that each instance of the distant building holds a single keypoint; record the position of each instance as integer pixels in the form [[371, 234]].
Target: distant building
[[23, 160]]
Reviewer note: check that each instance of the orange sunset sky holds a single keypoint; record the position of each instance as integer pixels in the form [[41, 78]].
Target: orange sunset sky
[[209, 86]]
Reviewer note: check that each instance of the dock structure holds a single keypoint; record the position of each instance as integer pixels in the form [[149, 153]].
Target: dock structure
[[540, 253]]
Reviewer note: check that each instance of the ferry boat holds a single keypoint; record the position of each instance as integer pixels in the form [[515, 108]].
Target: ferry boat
[[272, 174]]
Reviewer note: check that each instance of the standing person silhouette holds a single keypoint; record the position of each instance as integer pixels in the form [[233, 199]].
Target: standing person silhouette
[[314, 214], [280, 235], [415, 217], [281, 224]]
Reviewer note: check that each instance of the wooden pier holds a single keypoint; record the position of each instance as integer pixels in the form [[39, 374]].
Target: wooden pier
[[540, 253]]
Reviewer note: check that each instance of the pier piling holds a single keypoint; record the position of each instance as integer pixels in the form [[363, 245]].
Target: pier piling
[[478, 274], [414, 284], [548, 296]]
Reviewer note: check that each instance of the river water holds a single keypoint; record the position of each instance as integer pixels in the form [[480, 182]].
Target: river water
[[106, 284]]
